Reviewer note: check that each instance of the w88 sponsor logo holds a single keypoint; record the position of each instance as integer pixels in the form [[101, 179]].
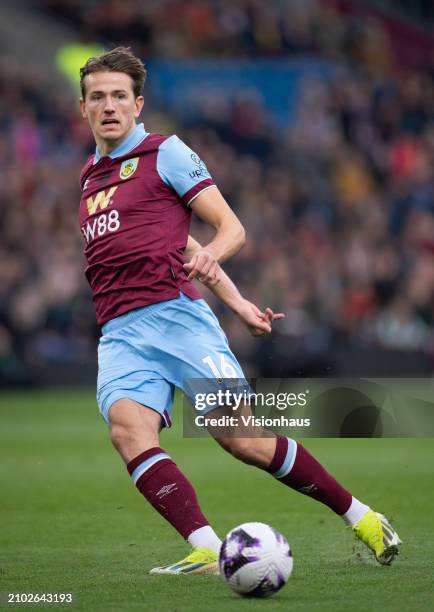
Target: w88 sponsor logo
[[105, 222]]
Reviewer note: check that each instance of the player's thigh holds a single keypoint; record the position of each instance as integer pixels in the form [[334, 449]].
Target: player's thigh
[[132, 415]]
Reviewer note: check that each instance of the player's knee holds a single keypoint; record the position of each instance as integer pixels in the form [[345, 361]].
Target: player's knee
[[243, 449], [121, 436], [124, 437], [133, 428]]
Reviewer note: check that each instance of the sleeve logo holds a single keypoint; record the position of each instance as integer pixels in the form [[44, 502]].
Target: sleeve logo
[[128, 167], [200, 171], [196, 159]]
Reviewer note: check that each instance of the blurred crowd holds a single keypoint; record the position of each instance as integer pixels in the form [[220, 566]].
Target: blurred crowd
[[338, 208], [222, 28]]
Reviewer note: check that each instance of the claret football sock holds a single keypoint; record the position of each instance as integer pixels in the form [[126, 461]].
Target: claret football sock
[[294, 466], [166, 488]]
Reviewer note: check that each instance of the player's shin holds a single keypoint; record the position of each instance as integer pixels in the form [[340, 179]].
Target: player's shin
[[295, 467], [166, 488]]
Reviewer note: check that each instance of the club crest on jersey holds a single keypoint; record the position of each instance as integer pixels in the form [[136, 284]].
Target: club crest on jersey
[[128, 167]]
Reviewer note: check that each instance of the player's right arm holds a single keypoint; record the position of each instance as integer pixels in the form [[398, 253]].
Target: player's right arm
[[258, 322]]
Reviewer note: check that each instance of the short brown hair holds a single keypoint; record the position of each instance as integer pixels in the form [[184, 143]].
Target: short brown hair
[[120, 59]]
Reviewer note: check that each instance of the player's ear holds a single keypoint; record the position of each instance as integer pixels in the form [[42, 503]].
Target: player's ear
[[140, 100], [83, 108]]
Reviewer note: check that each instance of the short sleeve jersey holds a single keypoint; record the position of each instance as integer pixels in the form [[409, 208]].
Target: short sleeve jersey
[[135, 217]]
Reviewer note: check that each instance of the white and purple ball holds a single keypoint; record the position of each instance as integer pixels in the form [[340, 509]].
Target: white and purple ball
[[255, 560]]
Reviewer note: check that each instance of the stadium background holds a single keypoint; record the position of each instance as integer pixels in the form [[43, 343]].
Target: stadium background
[[316, 119]]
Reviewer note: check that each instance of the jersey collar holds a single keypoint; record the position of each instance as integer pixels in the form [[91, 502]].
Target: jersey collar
[[130, 143]]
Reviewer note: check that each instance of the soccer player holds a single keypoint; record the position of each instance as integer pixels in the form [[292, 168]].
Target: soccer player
[[138, 192]]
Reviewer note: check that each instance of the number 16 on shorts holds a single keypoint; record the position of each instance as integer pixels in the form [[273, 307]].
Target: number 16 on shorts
[[224, 370]]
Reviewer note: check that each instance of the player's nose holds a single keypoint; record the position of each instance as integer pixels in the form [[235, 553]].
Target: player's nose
[[109, 106]]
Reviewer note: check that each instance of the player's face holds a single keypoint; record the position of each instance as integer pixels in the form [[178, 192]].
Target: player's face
[[111, 107]]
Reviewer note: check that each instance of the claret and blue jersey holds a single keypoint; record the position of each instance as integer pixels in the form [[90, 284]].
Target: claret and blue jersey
[[135, 216], [157, 332]]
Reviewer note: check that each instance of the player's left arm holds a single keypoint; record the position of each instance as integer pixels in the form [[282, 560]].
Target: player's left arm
[[183, 171], [258, 322], [211, 207]]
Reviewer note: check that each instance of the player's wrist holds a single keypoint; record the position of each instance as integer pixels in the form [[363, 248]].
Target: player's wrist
[[236, 303]]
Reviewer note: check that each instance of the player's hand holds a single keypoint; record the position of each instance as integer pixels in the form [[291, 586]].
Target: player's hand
[[203, 266], [258, 323]]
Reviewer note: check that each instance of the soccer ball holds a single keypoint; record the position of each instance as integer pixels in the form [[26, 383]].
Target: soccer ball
[[255, 560]]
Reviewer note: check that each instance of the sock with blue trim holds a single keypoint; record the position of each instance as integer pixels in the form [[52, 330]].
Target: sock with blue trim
[[166, 488], [295, 467]]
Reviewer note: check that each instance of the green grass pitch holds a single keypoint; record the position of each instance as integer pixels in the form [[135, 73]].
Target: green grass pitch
[[70, 520]]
